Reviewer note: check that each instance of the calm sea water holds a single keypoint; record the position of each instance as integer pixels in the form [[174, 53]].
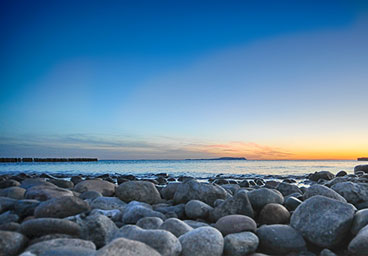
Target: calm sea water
[[182, 167]]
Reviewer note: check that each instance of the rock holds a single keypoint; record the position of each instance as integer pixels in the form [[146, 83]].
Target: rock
[[134, 213], [11, 243], [292, 203], [360, 220], [325, 175], [287, 189], [32, 182], [13, 192], [24, 208], [9, 183], [7, 217], [114, 215], [99, 229], [104, 187], [177, 210], [233, 188], [193, 190], [327, 252], [318, 216], [142, 191], [196, 209], [176, 227], [76, 179], [262, 196], [62, 183], [126, 247], [235, 224], [272, 184], [168, 192], [336, 180], [196, 224], [361, 168], [238, 204], [69, 251], [244, 184], [43, 246], [240, 244], [108, 203], [90, 195], [48, 237], [341, 174], [280, 239], [44, 226], [274, 214], [358, 245], [46, 192], [61, 207], [10, 226], [150, 223], [354, 193], [161, 240], [202, 241], [322, 191]]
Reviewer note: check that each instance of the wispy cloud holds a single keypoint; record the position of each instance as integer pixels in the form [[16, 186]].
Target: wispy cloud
[[131, 147]]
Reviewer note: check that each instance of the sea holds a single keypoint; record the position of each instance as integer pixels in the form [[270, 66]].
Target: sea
[[195, 168]]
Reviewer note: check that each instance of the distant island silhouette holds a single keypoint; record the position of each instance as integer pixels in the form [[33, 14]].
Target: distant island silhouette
[[220, 158], [362, 159]]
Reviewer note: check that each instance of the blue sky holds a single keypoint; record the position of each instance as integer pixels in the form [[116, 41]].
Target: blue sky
[[184, 79]]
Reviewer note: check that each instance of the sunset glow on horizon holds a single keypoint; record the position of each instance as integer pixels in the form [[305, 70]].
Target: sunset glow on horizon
[[184, 79]]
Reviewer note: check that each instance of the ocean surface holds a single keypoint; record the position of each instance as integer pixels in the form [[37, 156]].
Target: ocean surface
[[195, 168]]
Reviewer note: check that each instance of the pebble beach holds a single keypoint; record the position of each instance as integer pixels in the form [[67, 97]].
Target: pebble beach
[[320, 213]]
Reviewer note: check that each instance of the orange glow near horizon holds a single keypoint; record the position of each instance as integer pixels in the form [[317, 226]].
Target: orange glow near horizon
[[254, 151]]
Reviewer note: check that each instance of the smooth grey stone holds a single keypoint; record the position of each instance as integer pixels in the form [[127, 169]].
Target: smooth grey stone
[[11, 243], [202, 241], [320, 215], [196, 209], [150, 223], [104, 187], [239, 244], [176, 227], [122, 246], [359, 245], [44, 226], [321, 190], [43, 246], [262, 196], [235, 224], [360, 220], [142, 191], [61, 207]]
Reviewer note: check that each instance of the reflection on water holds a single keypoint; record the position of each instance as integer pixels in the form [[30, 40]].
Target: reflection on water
[[183, 167]]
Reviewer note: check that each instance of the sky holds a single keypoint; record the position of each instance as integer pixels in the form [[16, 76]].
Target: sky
[[184, 79]]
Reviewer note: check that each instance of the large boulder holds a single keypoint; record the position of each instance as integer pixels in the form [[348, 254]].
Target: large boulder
[[171, 210], [196, 209], [262, 196], [238, 204], [135, 211], [13, 192], [150, 223], [325, 175], [161, 240], [108, 203], [61, 207], [280, 239], [354, 193], [359, 245], [235, 224], [240, 244], [321, 190], [194, 190], [44, 226], [46, 192], [288, 189], [98, 228], [202, 241], [323, 221], [142, 191], [43, 246], [104, 187], [176, 227], [169, 190], [360, 221], [126, 247], [11, 243], [361, 168], [274, 214]]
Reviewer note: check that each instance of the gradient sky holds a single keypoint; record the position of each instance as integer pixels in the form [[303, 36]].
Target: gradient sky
[[184, 79]]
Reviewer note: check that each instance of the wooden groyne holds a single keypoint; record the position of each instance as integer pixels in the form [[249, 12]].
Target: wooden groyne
[[29, 159], [363, 159]]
